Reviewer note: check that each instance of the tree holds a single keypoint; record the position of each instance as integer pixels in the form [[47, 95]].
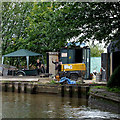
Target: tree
[[114, 80], [13, 24], [94, 21], [48, 26], [96, 50], [43, 35]]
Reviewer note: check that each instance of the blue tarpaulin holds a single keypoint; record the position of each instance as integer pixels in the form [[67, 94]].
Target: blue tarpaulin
[[64, 79]]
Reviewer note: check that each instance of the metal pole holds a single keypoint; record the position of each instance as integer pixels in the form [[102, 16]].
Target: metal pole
[[27, 57], [43, 63], [2, 59]]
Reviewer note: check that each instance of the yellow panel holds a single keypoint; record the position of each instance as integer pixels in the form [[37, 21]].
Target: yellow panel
[[73, 67]]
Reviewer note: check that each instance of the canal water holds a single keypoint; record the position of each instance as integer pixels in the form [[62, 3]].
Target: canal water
[[20, 105]]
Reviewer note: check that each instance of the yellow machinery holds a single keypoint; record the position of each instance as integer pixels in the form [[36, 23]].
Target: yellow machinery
[[73, 67], [73, 71]]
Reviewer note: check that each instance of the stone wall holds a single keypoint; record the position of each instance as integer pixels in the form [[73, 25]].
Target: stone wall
[[104, 100]]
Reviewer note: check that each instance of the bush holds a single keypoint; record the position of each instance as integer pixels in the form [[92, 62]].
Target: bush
[[114, 80], [116, 90]]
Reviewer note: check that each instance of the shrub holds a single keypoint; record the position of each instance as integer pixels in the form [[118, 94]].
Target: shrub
[[54, 82], [116, 90], [114, 80]]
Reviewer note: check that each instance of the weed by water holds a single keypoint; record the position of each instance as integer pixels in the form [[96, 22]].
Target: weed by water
[[100, 87], [115, 89], [54, 82]]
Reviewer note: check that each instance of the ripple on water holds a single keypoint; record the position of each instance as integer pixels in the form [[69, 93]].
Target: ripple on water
[[87, 112], [49, 106]]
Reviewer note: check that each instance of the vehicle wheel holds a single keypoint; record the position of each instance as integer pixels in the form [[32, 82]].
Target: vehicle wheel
[[74, 77], [20, 74]]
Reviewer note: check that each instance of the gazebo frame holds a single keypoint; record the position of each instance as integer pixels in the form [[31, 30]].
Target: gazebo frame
[[22, 53]]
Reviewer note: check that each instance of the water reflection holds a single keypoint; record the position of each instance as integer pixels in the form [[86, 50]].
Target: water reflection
[[19, 105]]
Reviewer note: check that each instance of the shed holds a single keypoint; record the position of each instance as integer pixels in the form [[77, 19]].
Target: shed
[[95, 64], [113, 61]]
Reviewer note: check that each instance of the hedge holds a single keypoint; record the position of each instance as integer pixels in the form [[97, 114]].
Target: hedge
[[114, 80]]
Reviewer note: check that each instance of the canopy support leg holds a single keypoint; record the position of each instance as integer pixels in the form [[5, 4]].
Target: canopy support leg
[[27, 57], [2, 60]]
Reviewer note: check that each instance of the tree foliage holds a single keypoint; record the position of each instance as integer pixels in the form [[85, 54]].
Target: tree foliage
[[96, 50], [47, 26], [94, 21], [13, 24], [114, 80], [43, 35]]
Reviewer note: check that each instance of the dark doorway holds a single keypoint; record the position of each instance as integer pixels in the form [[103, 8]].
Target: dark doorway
[[78, 55], [116, 60]]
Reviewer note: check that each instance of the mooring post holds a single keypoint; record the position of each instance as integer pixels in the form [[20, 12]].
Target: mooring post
[[25, 87], [62, 91], [13, 87], [70, 91], [31, 88], [87, 92], [19, 87], [0, 87], [6, 87], [79, 91], [34, 89]]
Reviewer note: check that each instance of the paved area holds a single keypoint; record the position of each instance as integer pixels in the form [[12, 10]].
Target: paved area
[[21, 78], [103, 93], [93, 81], [42, 80]]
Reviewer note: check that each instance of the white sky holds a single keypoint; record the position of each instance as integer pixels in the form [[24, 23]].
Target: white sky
[[87, 43]]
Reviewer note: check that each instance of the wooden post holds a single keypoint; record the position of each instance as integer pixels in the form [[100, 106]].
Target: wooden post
[[25, 87], [33, 89], [13, 87], [19, 87], [6, 87], [70, 91], [87, 92], [62, 91], [79, 91]]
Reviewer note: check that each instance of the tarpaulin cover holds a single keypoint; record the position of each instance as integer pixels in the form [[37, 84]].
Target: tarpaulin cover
[[64, 79], [112, 47], [95, 64]]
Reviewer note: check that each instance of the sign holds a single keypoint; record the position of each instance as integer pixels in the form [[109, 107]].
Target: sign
[[67, 66], [69, 57], [64, 55]]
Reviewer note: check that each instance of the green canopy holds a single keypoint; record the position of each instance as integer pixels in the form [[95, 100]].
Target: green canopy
[[22, 53]]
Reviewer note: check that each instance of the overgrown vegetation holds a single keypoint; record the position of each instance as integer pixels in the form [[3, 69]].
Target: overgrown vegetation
[[99, 87], [114, 81], [78, 82], [114, 89], [117, 90], [54, 82], [113, 85], [96, 50]]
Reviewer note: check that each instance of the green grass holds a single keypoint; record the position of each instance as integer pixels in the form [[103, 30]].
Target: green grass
[[114, 89], [78, 82], [100, 87], [54, 82]]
